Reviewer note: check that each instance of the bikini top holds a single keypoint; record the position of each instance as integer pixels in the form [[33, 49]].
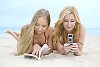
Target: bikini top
[[44, 42]]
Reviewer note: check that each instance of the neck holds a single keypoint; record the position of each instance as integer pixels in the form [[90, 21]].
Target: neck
[[38, 34], [68, 32]]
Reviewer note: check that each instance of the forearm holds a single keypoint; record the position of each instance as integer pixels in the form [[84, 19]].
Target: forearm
[[50, 48], [62, 51]]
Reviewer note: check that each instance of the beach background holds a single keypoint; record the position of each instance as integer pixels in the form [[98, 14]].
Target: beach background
[[16, 13]]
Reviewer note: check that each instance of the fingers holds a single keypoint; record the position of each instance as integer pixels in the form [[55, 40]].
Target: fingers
[[72, 48], [74, 45], [35, 53], [36, 49], [66, 44]]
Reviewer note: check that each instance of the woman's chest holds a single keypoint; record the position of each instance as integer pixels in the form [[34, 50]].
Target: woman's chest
[[40, 40]]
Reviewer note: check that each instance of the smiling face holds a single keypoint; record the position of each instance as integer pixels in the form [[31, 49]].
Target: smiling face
[[41, 25], [69, 22]]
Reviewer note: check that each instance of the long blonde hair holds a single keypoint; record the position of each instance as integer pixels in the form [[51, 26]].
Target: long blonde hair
[[59, 31], [26, 39]]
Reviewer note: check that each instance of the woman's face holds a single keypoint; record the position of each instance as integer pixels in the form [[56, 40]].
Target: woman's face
[[69, 22], [41, 25]]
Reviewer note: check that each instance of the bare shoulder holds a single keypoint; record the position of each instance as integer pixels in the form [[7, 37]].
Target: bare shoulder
[[82, 28], [82, 33], [49, 30]]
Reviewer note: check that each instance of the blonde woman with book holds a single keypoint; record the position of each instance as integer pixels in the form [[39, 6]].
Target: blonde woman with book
[[34, 35]]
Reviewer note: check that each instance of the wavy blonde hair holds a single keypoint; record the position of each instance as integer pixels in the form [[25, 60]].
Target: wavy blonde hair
[[27, 33], [59, 31]]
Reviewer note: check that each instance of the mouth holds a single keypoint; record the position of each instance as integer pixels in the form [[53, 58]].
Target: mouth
[[39, 31], [68, 27]]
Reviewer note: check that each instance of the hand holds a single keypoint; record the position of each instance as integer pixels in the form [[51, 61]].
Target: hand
[[36, 49], [67, 47], [74, 47], [48, 51]]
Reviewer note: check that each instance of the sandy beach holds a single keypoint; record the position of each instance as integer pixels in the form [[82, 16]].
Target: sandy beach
[[90, 57]]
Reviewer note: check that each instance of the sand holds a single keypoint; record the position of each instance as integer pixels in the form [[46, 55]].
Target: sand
[[89, 58]]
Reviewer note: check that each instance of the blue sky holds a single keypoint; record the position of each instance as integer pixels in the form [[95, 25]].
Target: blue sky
[[16, 13]]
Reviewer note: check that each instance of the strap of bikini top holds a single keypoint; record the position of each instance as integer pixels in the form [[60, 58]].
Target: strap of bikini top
[[45, 38]]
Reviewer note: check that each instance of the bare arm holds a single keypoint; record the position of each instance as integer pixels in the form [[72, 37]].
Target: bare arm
[[49, 40], [50, 43], [60, 48], [81, 40]]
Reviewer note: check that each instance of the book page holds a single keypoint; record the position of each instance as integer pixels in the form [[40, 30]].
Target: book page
[[26, 55], [42, 51]]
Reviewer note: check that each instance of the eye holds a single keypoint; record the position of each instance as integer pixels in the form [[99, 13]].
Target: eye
[[44, 25], [37, 24], [65, 20], [72, 20]]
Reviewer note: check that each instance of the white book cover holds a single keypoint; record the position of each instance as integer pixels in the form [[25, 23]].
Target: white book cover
[[42, 51]]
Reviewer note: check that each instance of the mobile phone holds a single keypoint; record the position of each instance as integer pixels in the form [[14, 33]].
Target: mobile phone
[[70, 39]]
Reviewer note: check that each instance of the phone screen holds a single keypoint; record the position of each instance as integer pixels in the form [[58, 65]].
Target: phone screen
[[70, 39], [70, 35]]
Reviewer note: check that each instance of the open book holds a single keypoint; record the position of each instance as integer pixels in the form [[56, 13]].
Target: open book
[[42, 51]]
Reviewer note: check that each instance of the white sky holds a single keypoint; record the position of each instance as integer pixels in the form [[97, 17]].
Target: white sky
[[16, 13]]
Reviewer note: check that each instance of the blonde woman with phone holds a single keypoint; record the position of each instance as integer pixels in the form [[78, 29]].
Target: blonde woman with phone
[[69, 23]]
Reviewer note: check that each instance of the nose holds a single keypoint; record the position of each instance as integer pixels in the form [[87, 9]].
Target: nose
[[69, 24], [40, 28]]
